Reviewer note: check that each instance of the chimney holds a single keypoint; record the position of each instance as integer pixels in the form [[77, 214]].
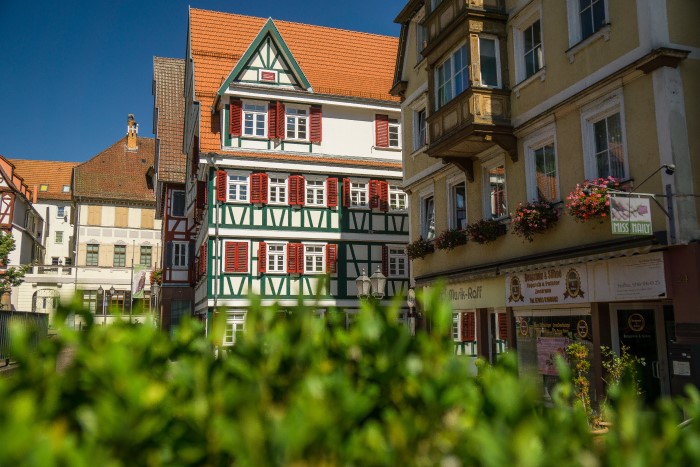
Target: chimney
[[132, 131]]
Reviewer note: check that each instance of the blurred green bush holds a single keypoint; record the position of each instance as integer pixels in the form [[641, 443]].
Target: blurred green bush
[[301, 390]]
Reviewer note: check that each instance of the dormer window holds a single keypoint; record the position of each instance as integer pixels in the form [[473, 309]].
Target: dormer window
[[297, 123], [254, 119]]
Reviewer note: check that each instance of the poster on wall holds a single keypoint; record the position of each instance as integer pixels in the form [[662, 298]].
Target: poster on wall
[[547, 350], [554, 286], [630, 215]]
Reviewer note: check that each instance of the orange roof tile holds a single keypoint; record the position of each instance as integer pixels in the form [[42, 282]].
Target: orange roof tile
[[169, 79], [118, 173], [54, 174], [335, 61]]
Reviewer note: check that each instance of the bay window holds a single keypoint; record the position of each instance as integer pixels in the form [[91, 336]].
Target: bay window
[[452, 76]]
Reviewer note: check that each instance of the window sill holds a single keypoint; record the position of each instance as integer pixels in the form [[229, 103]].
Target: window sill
[[418, 151], [541, 74], [387, 148], [419, 63], [603, 33]]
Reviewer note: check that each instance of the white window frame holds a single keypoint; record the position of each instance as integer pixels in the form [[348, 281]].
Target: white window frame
[[355, 189], [56, 235], [487, 166], [394, 128], [524, 20], [594, 112], [297, 118], [424, 228], [397, 256], [172, 203], [271, 266], [183, 253], [238, 182], [451, 183], [60, 211], [497, 48], [421, 37], [277, 191], [395, 191], [420, 141], [574, 19], [451, 80], [256, 121], [531, 143], [456, 326], [235, 322], [321, 255], [321, 187]]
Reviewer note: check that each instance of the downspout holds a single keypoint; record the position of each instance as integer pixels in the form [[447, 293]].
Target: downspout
[[217, 268]]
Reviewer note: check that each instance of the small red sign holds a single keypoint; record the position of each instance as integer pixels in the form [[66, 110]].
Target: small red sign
[[268, 76]]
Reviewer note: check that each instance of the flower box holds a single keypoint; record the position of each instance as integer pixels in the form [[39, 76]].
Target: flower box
[[485, 231], [534, 218], [590, 199], [450, 239], [419, 248]]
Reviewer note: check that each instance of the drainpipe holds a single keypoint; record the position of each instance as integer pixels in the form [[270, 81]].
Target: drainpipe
[[217, 265]]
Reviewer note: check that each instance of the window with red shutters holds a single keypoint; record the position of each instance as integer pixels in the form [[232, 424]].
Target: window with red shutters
[[235, 117], [295, 258], [236, 257], [468, 326], [221, 185], [258, 188], [332, 192], [346, 192], [381, 128], [316, 129], [296, 189], [383, 196], [385, 260], [374, 194], [331, 258], [262, 257], [502, 326]]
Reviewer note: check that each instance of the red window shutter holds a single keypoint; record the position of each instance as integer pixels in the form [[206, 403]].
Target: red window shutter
[[468, 327], [385, 260], [280, 121], [235, 117], [195, 157], [301, 191], [293, 260], [258, 188], [374, 194], [230, 256], [502, 326], [300, 258], [332, 192], [241, 257], [262, 257], [221, 185], [331, 258], [316, 126], [346, 192], [384, 196], [272, 120], [381, 125], [293, 190]]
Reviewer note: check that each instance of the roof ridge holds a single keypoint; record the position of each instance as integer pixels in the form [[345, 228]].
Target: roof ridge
[[42, 160], [296, 22]]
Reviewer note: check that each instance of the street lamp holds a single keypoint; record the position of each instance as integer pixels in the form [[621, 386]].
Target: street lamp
[[101, 291], [411, 302], [371, 286]]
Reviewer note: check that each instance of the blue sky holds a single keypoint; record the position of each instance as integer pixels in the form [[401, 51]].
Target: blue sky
[[71, 70]]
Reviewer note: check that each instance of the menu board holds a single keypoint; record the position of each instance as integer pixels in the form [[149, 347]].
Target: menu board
[[547, 350]]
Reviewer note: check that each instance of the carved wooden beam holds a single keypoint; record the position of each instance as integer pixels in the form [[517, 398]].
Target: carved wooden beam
[[466, 165]]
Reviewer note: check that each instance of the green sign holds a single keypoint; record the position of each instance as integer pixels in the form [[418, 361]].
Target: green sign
[[630, 215]]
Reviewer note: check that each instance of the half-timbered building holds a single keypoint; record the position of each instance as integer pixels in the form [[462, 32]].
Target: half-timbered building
[[175, 297], [294, 164]]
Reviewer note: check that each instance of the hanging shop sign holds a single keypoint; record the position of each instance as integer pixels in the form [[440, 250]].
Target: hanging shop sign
[[553, 286], [630, 215]]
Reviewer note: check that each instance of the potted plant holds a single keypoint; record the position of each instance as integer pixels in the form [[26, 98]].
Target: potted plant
[[534, 218], [450, 239], [485, 231], [157, 276], [590, 199], [419, 248]]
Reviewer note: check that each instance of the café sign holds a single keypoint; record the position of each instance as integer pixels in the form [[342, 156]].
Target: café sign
[[554, 286]]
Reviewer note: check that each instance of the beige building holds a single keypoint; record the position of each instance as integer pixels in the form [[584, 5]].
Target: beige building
[[117, 235], [510, 102]]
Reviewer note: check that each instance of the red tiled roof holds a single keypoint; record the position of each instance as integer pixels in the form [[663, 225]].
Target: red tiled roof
[[335, 61], [117, 173], [54, 174], [169, 78]]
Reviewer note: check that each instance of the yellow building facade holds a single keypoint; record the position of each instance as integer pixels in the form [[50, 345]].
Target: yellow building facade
[[512, 102]]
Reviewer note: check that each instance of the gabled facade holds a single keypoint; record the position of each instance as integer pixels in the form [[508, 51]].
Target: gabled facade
[[116, 234], [294, 164], [525, 100], [175, 297]]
